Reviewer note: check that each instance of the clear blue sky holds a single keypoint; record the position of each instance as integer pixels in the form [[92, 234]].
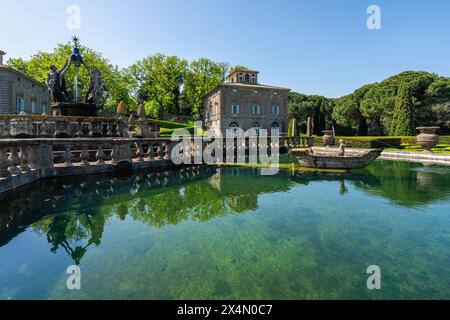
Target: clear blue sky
[[311, 46]]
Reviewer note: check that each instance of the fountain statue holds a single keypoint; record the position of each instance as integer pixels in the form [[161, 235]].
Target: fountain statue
[[56, 83]]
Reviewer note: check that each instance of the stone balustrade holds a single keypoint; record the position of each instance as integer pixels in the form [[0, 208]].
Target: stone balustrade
[[29, 159], [30, 126]]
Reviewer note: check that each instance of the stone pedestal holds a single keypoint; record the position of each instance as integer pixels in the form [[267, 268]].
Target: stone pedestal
[[75, 109]]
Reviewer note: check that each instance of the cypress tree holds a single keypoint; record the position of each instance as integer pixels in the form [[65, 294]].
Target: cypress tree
[[403, 120], [293, 128]]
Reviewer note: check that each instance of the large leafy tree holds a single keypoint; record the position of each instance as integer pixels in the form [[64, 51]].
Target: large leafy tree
[[200, 78], [38, 67], [302, 106], [158, 79], [348, 111]]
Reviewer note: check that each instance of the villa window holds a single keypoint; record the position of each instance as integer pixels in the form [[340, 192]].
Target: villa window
[[276, 110], [255, 128], [275, 127], [20, 104], [44, 108], [234, 126], [33, 106], [247, 78], [256, 109], [235, 109]]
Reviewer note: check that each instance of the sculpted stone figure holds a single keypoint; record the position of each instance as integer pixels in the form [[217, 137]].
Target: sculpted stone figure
[[56, 83], [97, 89], [342, 146]]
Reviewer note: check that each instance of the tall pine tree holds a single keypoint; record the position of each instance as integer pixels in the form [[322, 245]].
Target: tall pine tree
[[403, 123]]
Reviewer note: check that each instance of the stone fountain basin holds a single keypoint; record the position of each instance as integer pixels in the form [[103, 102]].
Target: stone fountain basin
[[74, 109]]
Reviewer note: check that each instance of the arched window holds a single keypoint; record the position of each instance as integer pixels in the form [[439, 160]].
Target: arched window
[[235, 126], [275, 127], [255, 128]]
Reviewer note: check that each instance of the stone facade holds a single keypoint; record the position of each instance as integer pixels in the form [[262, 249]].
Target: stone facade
[[20, 92], [243, 103]]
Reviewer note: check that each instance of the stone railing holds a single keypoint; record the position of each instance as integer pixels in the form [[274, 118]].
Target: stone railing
[[30, 126], [29, 159]]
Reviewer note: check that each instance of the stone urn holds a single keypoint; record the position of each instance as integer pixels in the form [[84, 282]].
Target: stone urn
[[428, 138], [328, 138]]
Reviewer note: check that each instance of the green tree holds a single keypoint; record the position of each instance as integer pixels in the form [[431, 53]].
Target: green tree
[[293, 128], [302, 106], [38, 67], [200, 78], [238, 67], [157, 82], [403, 120], [348, 111]]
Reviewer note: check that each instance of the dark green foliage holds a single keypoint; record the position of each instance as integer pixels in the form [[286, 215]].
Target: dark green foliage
[[403, 121], [376, 102], [302, 106]]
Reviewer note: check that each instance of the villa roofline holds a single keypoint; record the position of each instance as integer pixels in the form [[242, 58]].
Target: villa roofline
[[245, 85], [22, 74]]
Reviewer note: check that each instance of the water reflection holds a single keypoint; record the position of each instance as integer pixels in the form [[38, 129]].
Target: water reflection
[[73, 214], [408, 184]]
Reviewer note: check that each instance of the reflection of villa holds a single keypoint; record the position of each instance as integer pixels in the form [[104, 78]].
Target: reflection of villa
[[244, 103], [20, 92]]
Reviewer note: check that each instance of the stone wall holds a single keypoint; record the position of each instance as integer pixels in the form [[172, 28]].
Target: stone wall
[[218, 104], [15, 84]]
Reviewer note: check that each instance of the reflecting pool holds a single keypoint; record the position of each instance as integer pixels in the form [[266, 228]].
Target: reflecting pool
[[230, 233]]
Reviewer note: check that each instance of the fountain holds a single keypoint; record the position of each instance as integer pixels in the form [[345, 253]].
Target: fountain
[[56, 82]]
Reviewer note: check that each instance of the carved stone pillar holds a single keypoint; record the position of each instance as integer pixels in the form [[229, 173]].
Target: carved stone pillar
[[100, 155], [13, 160], [33, 158], [68, 156], [23, 158], [4, 162], [43, 130], [139, 152], [61, 129], [84, 155]]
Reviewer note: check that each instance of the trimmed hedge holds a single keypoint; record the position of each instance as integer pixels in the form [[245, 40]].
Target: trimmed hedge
[[379, 142]]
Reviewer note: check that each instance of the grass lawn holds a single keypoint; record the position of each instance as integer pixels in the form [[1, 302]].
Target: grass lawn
[[439, 149], [167, 128]]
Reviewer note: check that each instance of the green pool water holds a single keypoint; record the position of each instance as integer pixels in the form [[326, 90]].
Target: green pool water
[[230, 233]]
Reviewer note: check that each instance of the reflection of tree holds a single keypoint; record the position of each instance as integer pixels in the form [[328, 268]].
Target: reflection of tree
[[73, 215], [408, 184], [71, 229]]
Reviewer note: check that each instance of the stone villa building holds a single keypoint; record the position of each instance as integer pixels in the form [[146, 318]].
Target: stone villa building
[[244, 103], [20, 92]]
